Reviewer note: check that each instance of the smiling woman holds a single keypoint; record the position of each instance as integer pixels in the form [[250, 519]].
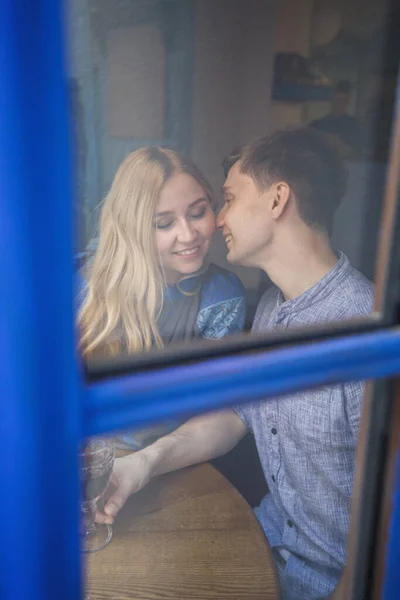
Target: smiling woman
[[150, 282]]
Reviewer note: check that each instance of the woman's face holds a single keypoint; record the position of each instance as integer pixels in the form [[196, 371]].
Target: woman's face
[[185, 223]]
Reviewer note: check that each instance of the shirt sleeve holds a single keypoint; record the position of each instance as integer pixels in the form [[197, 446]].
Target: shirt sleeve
[[242, 412], [354, 393]]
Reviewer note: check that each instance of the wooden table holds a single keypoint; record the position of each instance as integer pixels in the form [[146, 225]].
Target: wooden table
[[187, 535]]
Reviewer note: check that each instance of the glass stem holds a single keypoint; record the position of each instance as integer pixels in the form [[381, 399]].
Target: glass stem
[[88, 517]]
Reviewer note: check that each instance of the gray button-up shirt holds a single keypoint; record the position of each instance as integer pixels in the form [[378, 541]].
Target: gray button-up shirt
[[307, 441]]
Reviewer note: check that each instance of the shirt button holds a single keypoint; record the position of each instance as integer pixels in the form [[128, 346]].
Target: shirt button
[[274, 431], [273, 478], [290, 523]]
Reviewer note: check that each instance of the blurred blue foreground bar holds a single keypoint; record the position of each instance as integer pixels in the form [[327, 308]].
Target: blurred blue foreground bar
[[39, 425]]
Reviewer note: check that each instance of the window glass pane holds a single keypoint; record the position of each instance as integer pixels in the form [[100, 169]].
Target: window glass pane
[[181, 533], [192, 228]]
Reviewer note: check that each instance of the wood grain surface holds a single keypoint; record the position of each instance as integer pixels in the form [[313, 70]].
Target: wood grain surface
[[188, 534]]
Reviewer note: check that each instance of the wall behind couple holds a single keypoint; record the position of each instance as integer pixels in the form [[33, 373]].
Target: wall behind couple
[[193, 75], [197, 75]]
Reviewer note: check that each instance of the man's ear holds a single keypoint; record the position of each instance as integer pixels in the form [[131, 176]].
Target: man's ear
[[280, 199]]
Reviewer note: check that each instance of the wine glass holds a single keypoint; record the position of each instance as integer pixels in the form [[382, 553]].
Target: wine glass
[[97, 460]]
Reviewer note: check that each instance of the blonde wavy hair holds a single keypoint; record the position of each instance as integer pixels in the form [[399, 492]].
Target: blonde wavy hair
[[124, 291]]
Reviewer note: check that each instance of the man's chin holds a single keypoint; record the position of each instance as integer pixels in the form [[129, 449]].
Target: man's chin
[[232, 258], [243, 260]]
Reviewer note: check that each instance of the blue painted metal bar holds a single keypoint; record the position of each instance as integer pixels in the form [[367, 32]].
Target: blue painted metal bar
[[145, 398], [39, 426]]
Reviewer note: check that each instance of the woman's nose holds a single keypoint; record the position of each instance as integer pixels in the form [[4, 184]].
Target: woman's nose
[[186, 233]]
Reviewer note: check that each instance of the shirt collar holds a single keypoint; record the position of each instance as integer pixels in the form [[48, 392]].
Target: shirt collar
[[318, 292]]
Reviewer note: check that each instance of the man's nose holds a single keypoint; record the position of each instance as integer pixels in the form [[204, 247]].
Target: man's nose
[[221, 218]]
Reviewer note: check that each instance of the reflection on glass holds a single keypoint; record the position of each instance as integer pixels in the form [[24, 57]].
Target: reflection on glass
[[148, 77], [306, 443], [97, 460], [157, 82]]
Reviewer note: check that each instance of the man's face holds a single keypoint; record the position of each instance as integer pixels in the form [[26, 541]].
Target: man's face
[[245, 218]]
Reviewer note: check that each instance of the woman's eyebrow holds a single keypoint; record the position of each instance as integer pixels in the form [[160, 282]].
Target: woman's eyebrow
[[167, 213], [198, 201]]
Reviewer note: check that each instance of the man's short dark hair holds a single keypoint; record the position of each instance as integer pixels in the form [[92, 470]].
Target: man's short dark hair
[[309, 163], [232, 159]]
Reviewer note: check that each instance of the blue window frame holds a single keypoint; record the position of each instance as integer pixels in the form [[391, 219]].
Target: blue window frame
[[48, 403]]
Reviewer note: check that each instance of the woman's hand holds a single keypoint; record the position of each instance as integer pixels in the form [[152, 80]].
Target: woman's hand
[[130, 474]]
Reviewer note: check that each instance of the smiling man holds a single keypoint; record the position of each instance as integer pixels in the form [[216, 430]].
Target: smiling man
[[280, 197], [282, 194]]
